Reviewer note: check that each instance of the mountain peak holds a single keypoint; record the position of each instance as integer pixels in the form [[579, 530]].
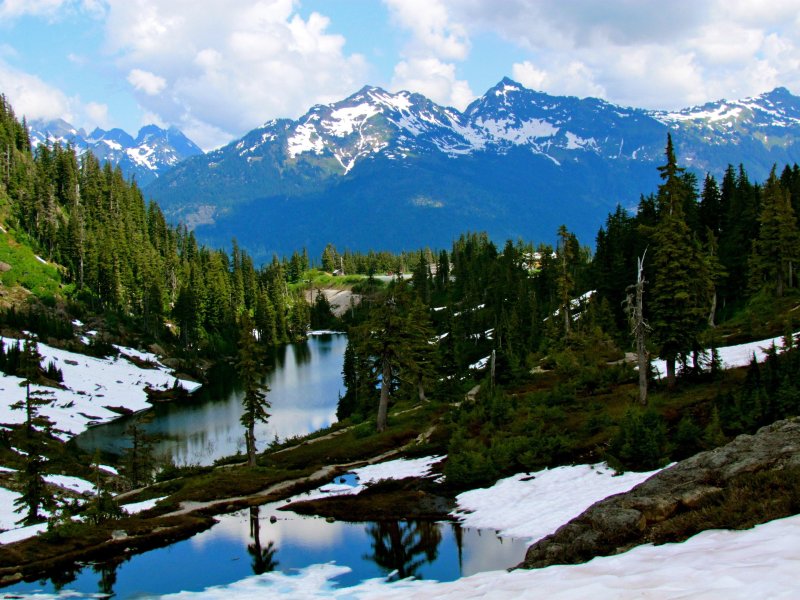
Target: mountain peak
[[149, 155]]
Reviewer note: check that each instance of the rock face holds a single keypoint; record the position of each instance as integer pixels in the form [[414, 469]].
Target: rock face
[[620, 522]]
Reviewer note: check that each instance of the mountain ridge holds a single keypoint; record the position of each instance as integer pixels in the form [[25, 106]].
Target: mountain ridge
[[146, 157], [502, 165]]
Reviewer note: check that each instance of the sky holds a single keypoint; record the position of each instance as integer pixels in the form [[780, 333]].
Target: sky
[[219, 68]]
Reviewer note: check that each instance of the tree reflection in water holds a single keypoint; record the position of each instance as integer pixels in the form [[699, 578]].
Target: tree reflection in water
[[403, 547], [263, 559], [108, 576]]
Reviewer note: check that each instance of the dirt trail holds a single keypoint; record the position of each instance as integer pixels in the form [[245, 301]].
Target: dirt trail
[[339, 299], [279, 490], [284, 488]]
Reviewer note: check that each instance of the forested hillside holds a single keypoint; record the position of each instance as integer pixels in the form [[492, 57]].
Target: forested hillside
[[117, 254], [544, 330]]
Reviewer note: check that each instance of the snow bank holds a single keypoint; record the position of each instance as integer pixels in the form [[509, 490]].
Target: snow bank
[[93, 385], [357, 479], [75, 484], [533, 506], [137, 507], [735, 356]]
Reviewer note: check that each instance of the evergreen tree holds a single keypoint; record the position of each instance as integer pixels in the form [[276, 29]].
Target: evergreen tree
[[679, 277], [34, 494], [30, 370], [254, 402], [566, 281], [777, 247], [396, 339]]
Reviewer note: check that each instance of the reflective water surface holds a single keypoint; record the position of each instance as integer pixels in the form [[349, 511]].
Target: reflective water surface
[[247, 542], [305, 381]]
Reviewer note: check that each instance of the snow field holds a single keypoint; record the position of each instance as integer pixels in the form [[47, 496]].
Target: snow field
[[92, 385], [735, 356]]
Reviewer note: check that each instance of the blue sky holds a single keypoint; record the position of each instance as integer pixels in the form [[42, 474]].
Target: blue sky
[[217, 69]]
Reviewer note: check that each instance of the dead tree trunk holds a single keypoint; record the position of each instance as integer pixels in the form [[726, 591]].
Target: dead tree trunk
[[639, 329]]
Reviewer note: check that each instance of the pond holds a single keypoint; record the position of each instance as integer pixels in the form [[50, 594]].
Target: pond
[[249, 542], [305, 381]]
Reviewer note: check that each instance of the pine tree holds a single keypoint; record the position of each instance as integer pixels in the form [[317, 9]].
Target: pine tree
[[254, 402], [30, 370], [34, 494], [396, 338], [777, 248], [679, 276]]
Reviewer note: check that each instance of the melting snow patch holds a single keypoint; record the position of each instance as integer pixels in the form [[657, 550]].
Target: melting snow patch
[[735, 356], [92, 385], [533, 506]]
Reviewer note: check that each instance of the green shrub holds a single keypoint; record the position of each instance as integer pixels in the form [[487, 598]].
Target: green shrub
[[641, 443]]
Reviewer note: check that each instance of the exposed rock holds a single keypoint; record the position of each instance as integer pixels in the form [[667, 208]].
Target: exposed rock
[[4, 267], [620, 522]]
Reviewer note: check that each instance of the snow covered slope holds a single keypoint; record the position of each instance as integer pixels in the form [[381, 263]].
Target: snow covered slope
[[93, 388]]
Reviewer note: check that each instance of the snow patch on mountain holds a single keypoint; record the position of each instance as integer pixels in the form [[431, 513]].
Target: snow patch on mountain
[[345, 121], [305, 139]]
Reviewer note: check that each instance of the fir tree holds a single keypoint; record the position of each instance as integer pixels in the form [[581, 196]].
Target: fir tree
[[249, 366], [777, 248], [679, 276]]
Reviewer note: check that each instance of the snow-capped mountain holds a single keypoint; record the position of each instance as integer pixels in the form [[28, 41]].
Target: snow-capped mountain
[[516, 162], [149, 155]]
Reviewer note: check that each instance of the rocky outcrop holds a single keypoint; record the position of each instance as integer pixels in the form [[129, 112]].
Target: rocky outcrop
[[709, 490]]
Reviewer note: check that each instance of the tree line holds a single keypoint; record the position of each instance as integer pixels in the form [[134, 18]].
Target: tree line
[[120, 255], [708, 254]]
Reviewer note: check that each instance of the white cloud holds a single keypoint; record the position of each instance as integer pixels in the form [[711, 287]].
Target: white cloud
[[643, 52], [434, 32], [569, 77], [147, 82], [33, 98], [435, 39], [97, 115], [226, 67], [434, 79]]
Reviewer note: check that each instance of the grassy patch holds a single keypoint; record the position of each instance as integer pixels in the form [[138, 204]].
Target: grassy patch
[[42, 280], [748, 500], [224, 483]]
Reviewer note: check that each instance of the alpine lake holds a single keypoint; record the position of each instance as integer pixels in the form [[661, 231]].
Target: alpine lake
[[305, 383]]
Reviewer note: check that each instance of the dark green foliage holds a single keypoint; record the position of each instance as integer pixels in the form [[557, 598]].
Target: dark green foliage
[[688, 438], [321, 314], [102, 507], [54, 373], [641, 444], [120, 255], [776, 250], [395, 342], [771, 391], [44, 323], [249, 366], [34, 494], [677, 308]]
